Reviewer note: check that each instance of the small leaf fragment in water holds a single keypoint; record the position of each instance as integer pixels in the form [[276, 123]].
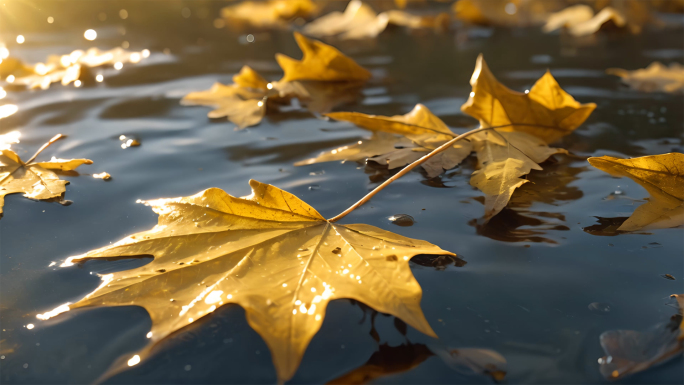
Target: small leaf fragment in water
[[128, 142], [668, 276], [403, 220], [102, 175]]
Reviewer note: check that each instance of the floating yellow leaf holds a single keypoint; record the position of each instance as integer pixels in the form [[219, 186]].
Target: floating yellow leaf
[[593, 25], [37, 180], [243, 103], [630, 351], [320, 62], [568, 17], [654, 78], [267, 14], [546, 111], [269, 252], [505, 12], [663, 177], [360, 21]]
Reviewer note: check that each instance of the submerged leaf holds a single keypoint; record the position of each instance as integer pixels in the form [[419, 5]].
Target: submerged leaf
[[504, 158], [37, 180], [629, 351], [269, 252], [321, 62], [654, 78], [663, 177]]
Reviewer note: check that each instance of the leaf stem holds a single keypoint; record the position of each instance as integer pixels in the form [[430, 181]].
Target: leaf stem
[[405, 170], [46, 145]]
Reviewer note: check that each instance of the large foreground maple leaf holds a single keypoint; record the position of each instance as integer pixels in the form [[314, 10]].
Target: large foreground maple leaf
[[269, 252]]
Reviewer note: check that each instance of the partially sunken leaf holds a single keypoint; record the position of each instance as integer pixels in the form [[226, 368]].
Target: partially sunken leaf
[[505, 157], [546, 111], [36, 180], [654, 78], [272, 254], [663, 177], [630, 351], [320, 62]]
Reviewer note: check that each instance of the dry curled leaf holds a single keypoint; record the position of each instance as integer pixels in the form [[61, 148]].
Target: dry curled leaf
[[630, 351], [320, 62], [568, 17], [267, 14], [654, 78], [270, 253], [360, 21], [663, 177], [36, 180]]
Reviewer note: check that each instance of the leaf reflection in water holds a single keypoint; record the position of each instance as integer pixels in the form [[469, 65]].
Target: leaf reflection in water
[[550, 186]]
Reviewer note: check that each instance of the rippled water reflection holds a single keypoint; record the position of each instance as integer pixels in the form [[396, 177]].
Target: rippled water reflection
[[532, 273]]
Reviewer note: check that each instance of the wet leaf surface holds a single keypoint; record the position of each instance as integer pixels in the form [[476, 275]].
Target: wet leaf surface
[[272, 254]]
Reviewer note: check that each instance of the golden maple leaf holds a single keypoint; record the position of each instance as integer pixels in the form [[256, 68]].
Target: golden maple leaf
[[546, 111], [270, 253], [524, 124], [663, 177], [37, 180], [322, 80], [320, 62], [654, 78]]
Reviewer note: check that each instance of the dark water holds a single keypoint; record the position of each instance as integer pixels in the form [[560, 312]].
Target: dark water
[[531, 274]]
